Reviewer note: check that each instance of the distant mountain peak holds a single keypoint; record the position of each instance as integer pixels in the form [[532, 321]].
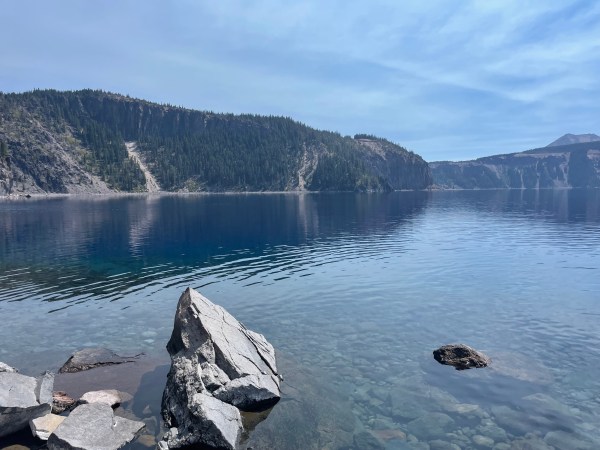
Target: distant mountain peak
[[574, 139]]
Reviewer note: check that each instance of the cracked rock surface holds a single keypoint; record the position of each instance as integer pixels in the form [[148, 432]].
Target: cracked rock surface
[[217, 368]]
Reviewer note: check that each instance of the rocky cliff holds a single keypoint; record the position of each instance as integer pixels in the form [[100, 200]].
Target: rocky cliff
[[97, 142], [556, 166]]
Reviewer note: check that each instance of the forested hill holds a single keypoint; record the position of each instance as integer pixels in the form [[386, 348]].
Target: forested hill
[[94, 142], [574, 165]]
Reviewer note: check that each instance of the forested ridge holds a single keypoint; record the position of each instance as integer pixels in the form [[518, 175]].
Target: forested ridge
[[44, 130]]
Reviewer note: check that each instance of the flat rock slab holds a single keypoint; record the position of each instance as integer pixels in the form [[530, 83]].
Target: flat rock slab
[[93, 427], [460, 356], [88, 358], [44, 426], [110, 397], [22, 399]]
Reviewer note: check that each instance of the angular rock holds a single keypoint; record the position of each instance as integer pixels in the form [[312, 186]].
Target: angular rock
[[110, 397], [460, 356], [93, 427], [61, 402], [88, 358], [44, 426], [22, 399], [217, 366]]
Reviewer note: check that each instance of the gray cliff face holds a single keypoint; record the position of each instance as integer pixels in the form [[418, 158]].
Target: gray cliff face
[[401, 170], [565, 166], [218, 367], [42, 159]]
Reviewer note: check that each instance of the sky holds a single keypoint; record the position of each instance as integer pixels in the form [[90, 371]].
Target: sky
[[447, 79]]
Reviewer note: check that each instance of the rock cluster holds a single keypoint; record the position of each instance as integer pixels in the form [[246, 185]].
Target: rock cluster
[[218, 367], [27, 401], [460, 356]]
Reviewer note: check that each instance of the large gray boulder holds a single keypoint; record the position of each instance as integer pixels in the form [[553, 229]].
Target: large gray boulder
[[217, 367], [93, 426], [22, 399]]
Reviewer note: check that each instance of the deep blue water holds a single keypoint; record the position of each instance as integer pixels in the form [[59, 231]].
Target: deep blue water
[[354, 292]]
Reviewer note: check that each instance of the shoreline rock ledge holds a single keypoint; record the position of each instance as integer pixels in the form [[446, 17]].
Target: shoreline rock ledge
[[218, 367]]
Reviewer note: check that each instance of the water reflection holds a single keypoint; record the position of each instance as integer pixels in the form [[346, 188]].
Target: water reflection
[[77, 247], [354, 291]]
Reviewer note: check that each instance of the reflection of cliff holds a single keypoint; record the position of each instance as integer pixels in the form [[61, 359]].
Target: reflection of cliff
[[575, 165], [556, 205], [78, 247]]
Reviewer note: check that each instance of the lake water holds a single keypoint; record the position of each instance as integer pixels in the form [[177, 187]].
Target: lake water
[[354, 292]]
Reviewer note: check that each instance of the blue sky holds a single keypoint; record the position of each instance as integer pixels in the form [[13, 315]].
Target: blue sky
[[446, 79]]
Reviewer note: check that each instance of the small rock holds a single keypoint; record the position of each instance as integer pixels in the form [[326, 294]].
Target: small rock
[[43, 427], [61, 402], [460, 356], [110, 397], [88, 358], [93, 426]]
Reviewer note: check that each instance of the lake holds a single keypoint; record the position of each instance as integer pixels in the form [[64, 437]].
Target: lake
[[355, 291]]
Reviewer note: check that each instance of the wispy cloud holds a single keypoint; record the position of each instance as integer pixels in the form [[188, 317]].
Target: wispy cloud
[[447, 79]]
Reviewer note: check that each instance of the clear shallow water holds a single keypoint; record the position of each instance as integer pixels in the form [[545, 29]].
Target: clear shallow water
[[354, 291]]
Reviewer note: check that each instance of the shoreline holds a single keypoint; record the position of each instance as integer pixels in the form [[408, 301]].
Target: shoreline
[[36, 196]]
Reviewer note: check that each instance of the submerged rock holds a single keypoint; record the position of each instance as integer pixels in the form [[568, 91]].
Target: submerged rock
[[217, 366], [460, 356], [88, 358], [93, 427], [22, 399]]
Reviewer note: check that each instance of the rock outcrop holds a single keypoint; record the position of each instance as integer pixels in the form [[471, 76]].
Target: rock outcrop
[[563, 166], [89, 358], [93, 427], [217, 367], [460, 356], [22, 399]]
